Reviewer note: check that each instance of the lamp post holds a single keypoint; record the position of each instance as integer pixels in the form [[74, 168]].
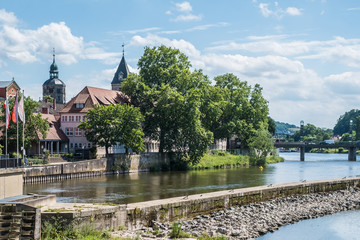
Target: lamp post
[[351, 124], [301, 129]]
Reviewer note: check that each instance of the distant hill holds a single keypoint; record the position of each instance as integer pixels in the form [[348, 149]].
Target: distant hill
[[285, 128]]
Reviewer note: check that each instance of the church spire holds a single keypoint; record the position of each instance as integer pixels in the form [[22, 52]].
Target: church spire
[[121, 73], [54, 71]]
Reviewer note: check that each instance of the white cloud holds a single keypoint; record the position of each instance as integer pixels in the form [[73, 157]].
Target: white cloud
[[293, 11], [293, 91], [278, 12], [136, 31], [264, 8], [7, 18], [187, 18], [28, 45], [154, 40], [338, 50], [183, 7], [207, 26], [353, 9]]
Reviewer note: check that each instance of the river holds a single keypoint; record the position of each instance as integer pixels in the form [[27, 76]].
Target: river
[[127, 188], [136, 187]]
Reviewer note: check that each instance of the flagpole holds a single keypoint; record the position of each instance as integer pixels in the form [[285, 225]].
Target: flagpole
[[17, 130], [23, 132], [6, 117]]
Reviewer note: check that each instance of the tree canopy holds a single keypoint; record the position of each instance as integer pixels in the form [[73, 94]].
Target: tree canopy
[[343, 123], [311, 133], [167, 92], [108, 125], [184, 112]]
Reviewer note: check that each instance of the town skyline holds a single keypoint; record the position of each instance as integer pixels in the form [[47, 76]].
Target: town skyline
[[304, 54]]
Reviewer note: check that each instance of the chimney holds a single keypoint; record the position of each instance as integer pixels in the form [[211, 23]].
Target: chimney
[[46, 100], [54, 104]]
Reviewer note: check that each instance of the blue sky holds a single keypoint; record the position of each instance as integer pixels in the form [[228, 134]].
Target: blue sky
[[305, 53]]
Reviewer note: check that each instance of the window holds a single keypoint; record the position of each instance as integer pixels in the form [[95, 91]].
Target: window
[[64, 118], [71, 145], [75, 145], [80, 145], [71, 118], [78, 118], [89, 145], [77, 132], [79, 105], [69, 131]]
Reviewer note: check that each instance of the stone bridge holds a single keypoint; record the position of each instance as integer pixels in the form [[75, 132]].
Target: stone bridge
[[351, 146]]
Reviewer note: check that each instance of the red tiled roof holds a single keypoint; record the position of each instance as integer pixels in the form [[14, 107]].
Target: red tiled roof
[[54, 132], [91, 96]]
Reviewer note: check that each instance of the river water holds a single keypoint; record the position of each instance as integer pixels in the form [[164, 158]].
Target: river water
[[137, 187], [127, 188]]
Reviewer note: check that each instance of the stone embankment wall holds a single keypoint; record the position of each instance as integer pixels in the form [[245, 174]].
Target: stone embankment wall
[[113, 164], [168, 210], [141, 215]]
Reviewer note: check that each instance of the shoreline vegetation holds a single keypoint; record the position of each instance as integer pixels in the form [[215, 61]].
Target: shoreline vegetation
[[222, 159]]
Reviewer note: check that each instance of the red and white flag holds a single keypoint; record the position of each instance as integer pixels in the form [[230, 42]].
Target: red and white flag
[[7, 113], [14, 114], [21, 111]]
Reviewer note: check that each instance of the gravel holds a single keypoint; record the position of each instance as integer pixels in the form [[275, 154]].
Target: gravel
[[253, 220]]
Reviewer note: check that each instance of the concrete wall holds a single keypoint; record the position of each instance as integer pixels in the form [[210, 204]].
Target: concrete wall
[[138, 215], [113, 164], [143, 213], [11, 182]]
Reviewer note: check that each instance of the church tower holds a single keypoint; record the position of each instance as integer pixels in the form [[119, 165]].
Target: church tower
[[54, 86], [121, 73]]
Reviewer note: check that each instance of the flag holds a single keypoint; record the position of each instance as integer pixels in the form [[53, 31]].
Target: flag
[[21, 111], [7, 114], [15, 110]]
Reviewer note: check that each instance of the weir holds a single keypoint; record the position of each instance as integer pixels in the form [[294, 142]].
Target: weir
[[138, 215]]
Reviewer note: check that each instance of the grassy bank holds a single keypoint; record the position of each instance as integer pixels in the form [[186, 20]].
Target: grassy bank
[[227, 160], [57, 230]]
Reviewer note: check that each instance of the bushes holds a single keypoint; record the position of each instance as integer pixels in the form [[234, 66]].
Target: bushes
[[58, 229], [176, 231]]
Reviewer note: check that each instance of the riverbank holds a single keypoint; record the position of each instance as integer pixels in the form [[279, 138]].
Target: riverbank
[[226, 160], [255, 219]]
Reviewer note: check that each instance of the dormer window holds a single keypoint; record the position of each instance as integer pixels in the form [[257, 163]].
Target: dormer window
[[79, 105]]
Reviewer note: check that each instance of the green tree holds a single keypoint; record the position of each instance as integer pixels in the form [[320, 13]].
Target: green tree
[[36, 127], [261, 145], [243, 111], [311, 133], [343, 123], [107, 125], [357, 129], [129, 132], [169, 97], [271, 126]]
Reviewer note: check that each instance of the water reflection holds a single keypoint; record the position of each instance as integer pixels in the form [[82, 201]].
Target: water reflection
[[146, 186]]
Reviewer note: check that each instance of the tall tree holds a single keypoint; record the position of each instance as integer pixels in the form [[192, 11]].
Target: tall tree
[[244, 109], [107, 125], [167, 93], [343, 123]]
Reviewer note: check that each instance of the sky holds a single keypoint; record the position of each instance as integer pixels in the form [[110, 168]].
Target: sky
[[304, 53]]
